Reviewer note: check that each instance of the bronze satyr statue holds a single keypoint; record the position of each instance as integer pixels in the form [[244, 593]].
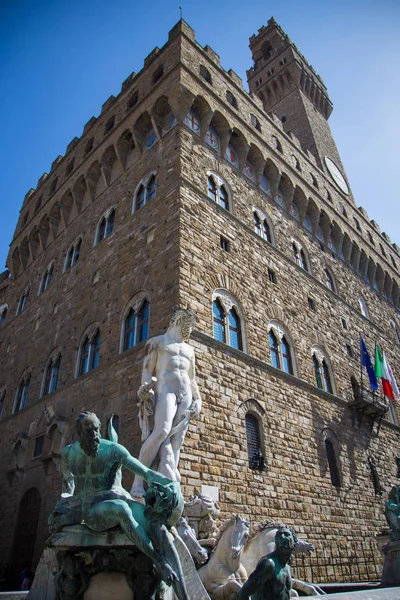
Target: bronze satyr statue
[[392, 512], [91, 470], [272, 578]]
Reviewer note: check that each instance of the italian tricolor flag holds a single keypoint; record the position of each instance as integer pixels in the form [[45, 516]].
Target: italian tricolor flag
[[381, 371]]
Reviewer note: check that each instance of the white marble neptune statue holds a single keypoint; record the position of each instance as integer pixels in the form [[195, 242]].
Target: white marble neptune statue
[[169, 397]]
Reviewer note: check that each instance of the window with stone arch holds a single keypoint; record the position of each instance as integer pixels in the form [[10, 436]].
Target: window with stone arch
[[72, 256], [228, 322], [331, 447], [51, 374], [218, 191], [46, 279], [329, 280], [145, 191], [322, 370], [21, 396], [281, 348], [23, 301], [205, 74], [262, 226], [363, 307], [231, 99], [89, 351], [136, 322], [252, 414], [105, 226], [300, 255]]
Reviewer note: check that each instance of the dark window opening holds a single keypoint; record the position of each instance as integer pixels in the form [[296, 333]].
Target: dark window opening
[[133, 98], [375, 477], [109, 125], [254, 449], [311, 303], [89, 146], [344, 323], [224, 243], [350, 352], [271, 275], [205, 74], [158, 73], [333, 468], [38, 448]]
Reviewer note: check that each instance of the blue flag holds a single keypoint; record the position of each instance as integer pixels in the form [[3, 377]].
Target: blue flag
[[367, 363]]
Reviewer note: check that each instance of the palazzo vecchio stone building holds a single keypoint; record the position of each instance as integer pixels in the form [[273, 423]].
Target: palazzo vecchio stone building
[[189, 191]]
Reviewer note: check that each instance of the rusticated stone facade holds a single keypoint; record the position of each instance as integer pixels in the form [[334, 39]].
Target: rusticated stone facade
[[164, 245]]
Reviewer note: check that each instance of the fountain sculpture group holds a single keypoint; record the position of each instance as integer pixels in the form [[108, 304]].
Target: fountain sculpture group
[[146, 545]]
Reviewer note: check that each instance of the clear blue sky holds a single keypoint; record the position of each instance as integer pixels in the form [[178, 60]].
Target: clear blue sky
[[60, 60]]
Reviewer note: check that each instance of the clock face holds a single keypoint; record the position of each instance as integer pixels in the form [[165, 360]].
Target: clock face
[[336, 175]]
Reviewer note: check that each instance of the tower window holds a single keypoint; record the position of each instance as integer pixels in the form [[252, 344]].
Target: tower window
[[133, 98], [350, 352], [343, 322], [329, 281], [218, 192], [158, 73], [255, 122], [231, 99], [89, 146], [106, 226], [283, 118], [46, 279], [145, 192], [276, 144], [22, 302], [70, 167], [262, 228], [205, 74], [109, 125], [72, 256], [299, 256]]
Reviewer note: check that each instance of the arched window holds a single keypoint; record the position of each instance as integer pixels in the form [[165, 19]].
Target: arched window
[[322, 371], [219, 321], [89, 353], [192, 120], [72, 256], [205, 74], [363, 307], [105, 226], [232, 155], [51, 376], [262, 227], [145, 192], [227, 322], [22, 302], [254, 444], [299, 255], [46, 279], [255, 122], [231, 99], [332, 463], [21, 398], [217, 191], [136, 327], [329, 281], [307, 223], [280, 349]]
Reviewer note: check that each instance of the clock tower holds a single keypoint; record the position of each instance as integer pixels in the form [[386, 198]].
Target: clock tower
[[291, 89]]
